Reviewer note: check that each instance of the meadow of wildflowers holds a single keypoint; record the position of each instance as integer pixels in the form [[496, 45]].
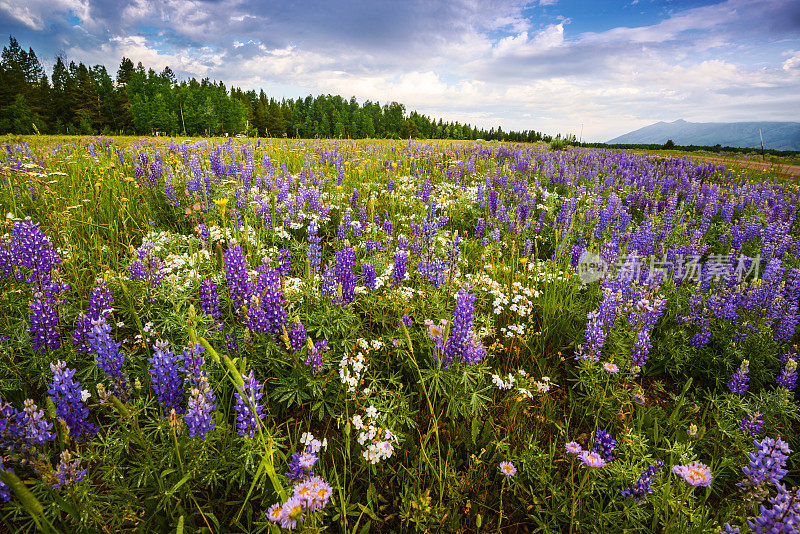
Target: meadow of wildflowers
[[367, 336]]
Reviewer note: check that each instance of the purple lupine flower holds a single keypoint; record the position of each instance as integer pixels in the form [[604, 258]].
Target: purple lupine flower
[[604, 444], [788, 377], [314, 252], [12, 434], [739, 379], [284, 262], [101, 304], [434, 271], [752, 423], [32, 251], [44, 317], [368, 276], [297, 336], [248, 409], [69, 471], [642, 487], [37, 428], [5, 491], [314, 355], [400, 270], [147, 267], [301, 465], [345, 277], [406, 320], [109, 358], [199, 415], [236, 268], [266, 311], [209, 299], [205, 235], [782, 514], [165, 379], [767, 462], [462, 341], [67, 396]]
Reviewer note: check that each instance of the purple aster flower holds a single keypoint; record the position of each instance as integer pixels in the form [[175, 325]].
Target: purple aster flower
[[591, 459], [248, 409], [293, 511], [695, 473], [508, 469], [67, 396], [573, 447], [275, 513]]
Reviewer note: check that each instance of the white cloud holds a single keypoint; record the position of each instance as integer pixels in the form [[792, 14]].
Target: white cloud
[[793, 62]]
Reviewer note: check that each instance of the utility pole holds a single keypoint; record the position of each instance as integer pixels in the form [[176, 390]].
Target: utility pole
[[762, 144]]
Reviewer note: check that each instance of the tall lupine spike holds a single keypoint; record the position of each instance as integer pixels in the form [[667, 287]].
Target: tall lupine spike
[[68, 399], [101, 303], [165, 379], [248, 408], [108, 356]]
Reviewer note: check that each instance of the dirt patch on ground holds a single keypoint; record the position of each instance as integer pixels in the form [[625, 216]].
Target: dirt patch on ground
[[785, 171]]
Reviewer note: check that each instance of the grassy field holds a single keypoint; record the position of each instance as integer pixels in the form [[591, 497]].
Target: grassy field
[[254, 335]]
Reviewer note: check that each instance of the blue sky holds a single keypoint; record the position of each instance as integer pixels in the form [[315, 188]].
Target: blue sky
[[601, 67]]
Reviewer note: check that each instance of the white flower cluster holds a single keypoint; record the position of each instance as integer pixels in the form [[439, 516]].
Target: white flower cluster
[[378, 442], [180, 270], [351, 370], [513, 330], [502, 384], [309, 441], [543, 386]]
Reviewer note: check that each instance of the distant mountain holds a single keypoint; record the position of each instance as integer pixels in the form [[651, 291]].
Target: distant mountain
[[777, 135]]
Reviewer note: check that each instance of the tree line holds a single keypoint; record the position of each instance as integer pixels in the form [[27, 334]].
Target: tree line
[[81, 99]]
